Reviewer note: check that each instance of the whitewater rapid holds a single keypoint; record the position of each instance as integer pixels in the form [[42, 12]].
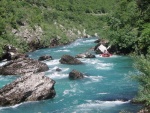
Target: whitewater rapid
[[106, 87]]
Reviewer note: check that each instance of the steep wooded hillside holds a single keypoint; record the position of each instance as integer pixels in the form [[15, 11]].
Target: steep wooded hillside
[[33, 24]]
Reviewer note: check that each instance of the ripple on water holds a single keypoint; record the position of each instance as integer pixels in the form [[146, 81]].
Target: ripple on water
[[74, 90], [98, 64], [93, 79], [52, 62], [18, 105], [57, 75], [65, 50], [101, 104]]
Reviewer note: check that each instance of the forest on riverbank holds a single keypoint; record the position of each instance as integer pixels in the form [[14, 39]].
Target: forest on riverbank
[[66, 20], [128, 27], [125, 23]]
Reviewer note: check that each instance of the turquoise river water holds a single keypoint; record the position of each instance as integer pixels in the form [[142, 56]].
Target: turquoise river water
[[106, 83]]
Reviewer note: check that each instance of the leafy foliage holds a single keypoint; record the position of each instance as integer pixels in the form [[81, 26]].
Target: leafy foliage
[[71, 14], [143, 65], [128, 26], [125, 23]]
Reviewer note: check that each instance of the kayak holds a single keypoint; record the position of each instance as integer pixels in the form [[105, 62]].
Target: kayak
[[105, 55]]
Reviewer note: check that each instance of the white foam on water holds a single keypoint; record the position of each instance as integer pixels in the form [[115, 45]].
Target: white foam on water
[[72, 91], [17, 105], [52, 62], [57, 75], [54, 69], [93, 79], [87, 41], [2, 63], [65, 50], [104, 66], [66, 92], [64, 69], [103, 93], [90, 61], [79, 42], [96, 78], [113, 56], [101, 104], [74, 44], [98, 64]]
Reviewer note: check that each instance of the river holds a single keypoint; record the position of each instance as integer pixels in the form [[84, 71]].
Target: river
[[106, 83]]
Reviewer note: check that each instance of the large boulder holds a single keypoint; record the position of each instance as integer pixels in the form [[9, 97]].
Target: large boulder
[[23, 65], [74, 74], [67, 59], [30, 87]]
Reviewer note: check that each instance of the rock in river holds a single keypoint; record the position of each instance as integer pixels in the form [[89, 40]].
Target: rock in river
[[23, 65], [67, 59], [30, 87], [85, 55], [45, 57], [74, 74]]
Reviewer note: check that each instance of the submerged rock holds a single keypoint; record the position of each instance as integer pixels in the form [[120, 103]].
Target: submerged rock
[[85, 55], [97, 41], [74, 74], [89, 55], [30, 87], [45, 57], [58, 69], [23, 65], [67, 59]]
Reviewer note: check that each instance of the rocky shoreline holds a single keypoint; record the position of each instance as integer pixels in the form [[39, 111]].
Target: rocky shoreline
[[32, 84]]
